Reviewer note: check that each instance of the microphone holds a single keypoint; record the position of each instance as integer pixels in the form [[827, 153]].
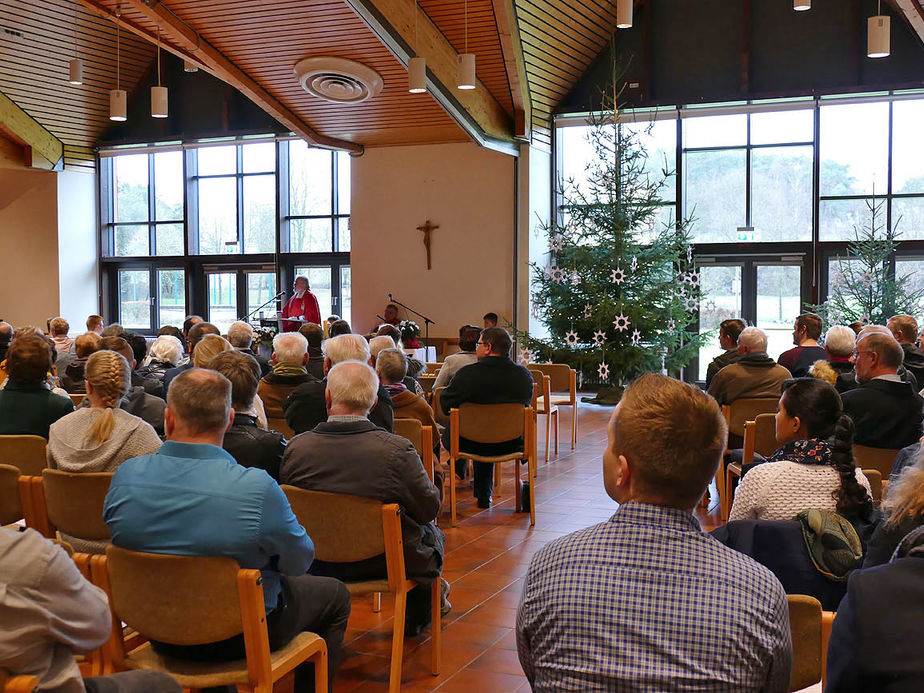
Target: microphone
[[389, 297], [380, 317], [281, 293]]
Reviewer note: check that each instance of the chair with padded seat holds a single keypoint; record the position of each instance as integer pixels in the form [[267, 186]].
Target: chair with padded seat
[[760, 438], [438, 415], [78, 399], [193, 600], [74, 502], [10, 499], [26, 452], [495, 423], [346, 529], [736, 415], [805, 618], [874, 477], [17, 684], [562, 378], [881, 459], [433, 367], [543, 406]]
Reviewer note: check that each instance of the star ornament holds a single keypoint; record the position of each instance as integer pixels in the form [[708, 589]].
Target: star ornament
[[599, 337], [693, 279], [526, 356], [587, 309], [603, 370], [671, 325], [557, 275], [575, 278], [556, 244], [621, 322], [634, 263], [636, 337], [571, 338], [617, 276], [690, 304]]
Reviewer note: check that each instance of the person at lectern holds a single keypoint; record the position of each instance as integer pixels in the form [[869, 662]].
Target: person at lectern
[[302, 305]]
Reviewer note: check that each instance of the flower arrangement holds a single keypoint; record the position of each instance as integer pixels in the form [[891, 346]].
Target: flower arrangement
[[410, 331], [264, 335]]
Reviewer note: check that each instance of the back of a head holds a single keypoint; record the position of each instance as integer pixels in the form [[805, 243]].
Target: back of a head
[[171, 331], [490, 317], [674, 433], [339, 327], [347, 347], [391, 365], [199, 330], [200, 400], [243, 372], [58, 326], [208, 347], [94, 322], [883, 345], [6, 332], [113, 330], [499, 340], [240, 335], [189, 322], [389, 331], [167, 349], [110, 377], [904, 326], [29, 331], [28, 359], [118, 345], [732, 328], [138, 344], [840, 341], [353, 386], [377, 344], [468, 337], [313, 332], [815, 402], [754, 338], [86, 344], [811, 323], [290, 348]]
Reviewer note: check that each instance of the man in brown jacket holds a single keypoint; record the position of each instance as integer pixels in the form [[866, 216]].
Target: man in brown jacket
[[755, 374]]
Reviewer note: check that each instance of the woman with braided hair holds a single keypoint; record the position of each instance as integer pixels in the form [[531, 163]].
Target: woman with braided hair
[[814, 468]]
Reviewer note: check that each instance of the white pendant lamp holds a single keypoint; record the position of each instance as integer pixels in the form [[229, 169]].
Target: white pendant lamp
[[465, 76], [117, 97], [878, 39], [158, 93], [190, 66], [76, 71], [416, 66], [624, 14], [801, 5]]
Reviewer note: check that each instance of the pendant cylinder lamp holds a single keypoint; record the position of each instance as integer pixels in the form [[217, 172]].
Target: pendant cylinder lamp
[[624, 13], [417, 75], [158, 102], [117, 104], [877, 40], [466, 76], [76, 71], [801, 5], [190, 67]]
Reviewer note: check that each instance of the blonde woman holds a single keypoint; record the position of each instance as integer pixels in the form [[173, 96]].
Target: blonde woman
[[208, 348]]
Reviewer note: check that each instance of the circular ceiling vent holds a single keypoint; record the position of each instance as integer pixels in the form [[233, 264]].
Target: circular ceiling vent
[[338, 79]]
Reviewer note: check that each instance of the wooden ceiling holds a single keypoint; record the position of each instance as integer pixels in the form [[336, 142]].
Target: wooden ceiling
[[529, 55]]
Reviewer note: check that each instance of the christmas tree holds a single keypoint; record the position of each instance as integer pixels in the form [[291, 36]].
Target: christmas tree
[[863, 286], [619, 295]]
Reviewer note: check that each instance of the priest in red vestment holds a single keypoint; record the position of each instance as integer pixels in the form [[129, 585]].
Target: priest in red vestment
[[303, 304]]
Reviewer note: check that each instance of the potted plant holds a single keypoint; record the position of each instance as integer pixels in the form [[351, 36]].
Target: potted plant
[[410, 331]]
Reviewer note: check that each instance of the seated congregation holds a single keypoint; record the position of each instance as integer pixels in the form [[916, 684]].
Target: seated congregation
[[208, 445]]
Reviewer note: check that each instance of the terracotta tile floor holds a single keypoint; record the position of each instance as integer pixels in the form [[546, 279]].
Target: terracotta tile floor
[[487, 554]]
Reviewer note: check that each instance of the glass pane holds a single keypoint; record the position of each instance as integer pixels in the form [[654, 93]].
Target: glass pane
[[217, 215], [130, 179], [839, 270], [343, 183], [838, 218], [910, 274], [346, 301], [344, 240], [781, 194], [217, 160], [715, 194], [259, 158], [319, 279], [310, 236], [259, 214], [222, 299], [854, 148], [908, 217], [261, 287], [778, 304], [776, 127], [169, 239], [135, 299], [168, 186], [721, 300], [309, 180], [131, 240], [576, 153], [659, 138], [907, 147], [715, 131], [171, 297]]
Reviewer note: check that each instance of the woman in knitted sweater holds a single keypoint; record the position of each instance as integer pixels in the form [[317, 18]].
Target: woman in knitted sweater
[[814, 468]]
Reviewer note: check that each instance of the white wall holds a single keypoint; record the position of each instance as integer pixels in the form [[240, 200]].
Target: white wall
[[470, 193], [77, 247], [539, 213]]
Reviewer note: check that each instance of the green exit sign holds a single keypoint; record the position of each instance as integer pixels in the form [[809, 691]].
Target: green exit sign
[[745, 234]]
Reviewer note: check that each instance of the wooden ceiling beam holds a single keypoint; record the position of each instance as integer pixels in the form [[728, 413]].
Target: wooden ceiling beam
[[912, 13], [476, 111], [183, 41], [40, 148], [512, 49]]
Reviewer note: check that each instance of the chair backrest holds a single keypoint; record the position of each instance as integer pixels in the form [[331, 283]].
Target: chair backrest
[[438, 414], [492, 423], [182, 600], [747, 409], [280, 426], [875, 458], [874, 477], [412, 430], [75, 502], [78, 400], [765, 440], [426, 382], [25, 452], [433, 367], [17, 684], [805, 626], [10, 502], [561, 375]]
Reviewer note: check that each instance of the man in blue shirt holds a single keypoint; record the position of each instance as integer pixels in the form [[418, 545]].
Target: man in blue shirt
[[648, 601], [191, 498]]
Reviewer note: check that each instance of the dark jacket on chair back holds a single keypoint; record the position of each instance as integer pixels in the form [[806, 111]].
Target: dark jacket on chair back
[[886, 414]]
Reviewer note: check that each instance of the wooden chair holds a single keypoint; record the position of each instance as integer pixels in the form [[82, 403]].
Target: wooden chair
[[827, 621], [74, 502], [17, 684], [25, 452], [421, 437], [433, 367], [759, 437], [10, 499], [280, 426], [426, 383], [346, 529], [191, 600], [874, 477], [495, 423], [32, 496], [875, 458], [805, 627], [563, 379], [441, 418], [736, 415], [78, 400], [543, 406]]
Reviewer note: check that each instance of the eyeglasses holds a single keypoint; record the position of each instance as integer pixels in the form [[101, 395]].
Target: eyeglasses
[[858, 354]]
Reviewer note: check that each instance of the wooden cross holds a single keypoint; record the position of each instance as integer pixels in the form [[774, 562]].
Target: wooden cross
[[427, 228]]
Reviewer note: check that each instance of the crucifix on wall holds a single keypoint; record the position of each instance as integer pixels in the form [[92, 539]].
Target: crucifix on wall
[[427, 228]]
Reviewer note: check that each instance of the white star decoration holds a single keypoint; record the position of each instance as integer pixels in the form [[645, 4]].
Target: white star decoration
[[571, 338], [556, 243], [690, 304], [617, 276], [599, 336], [575, 278], [557, 275], [634, 263], [587, 308], [867, 279], [682, 292], [526, 356], [621, 322], [636, 337], [671, 324], [691, 278], [603, 370]]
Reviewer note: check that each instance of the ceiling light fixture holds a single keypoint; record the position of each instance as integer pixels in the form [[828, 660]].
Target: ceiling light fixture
[[117, 97], [624, 14], [75, 72], [158, 93], [189, 66], [466, 69], [801, 5], [416, 66], [877, 39]]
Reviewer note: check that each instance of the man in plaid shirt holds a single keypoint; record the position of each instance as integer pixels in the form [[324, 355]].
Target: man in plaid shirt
[[647, 601]]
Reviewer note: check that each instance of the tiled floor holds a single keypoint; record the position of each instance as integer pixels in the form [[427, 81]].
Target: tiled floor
[[487, 554]]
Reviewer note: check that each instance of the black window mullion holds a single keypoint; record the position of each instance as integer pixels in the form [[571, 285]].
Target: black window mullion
[[747, 173], [152, 208], [239, 180]]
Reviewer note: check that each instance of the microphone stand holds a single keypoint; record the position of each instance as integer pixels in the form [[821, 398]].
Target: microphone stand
[[427, 321], [257, 310]]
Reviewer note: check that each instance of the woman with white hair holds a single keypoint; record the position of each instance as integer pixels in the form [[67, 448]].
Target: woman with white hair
[[165, 353], [839, 345]]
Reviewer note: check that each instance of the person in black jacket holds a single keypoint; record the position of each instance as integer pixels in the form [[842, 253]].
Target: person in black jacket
[[905, 330], [240, 335], [250, 445], [904, 509], [886, 411], [493, 379]]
